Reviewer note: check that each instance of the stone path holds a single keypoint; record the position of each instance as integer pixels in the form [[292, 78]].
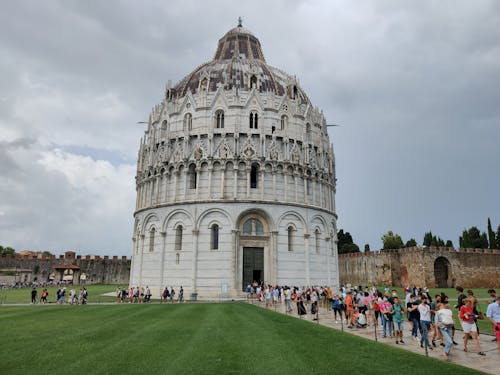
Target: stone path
[[490, 363]]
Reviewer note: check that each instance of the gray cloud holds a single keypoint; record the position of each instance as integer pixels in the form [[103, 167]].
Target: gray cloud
[[415, 86]]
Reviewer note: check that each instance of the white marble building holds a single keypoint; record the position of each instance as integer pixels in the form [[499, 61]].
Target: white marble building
[[235, 181]]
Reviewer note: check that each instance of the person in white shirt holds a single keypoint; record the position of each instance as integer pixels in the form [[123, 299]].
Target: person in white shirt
[[425, 321], [445, 323]]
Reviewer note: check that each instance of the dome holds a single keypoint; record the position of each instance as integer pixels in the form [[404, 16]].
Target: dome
[[239, 56]]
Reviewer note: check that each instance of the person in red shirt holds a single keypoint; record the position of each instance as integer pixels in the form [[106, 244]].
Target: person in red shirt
[[467, 316]]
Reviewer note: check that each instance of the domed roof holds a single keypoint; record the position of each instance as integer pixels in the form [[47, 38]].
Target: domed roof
[[237, 58]]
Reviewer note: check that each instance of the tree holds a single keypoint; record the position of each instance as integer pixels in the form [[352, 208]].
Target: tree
[[491, 235], [367, 248], [345, 243], [449, 244], [473, 238], [427, 239], [7, 250], [497, 241], [411, 243], [392, 241], [47, 254]]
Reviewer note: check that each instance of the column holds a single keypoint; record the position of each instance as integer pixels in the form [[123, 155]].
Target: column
[[235, 181], [248, 182], [274, 184], [222, 180], [162, 264], [141, 252], [296, 181], [210, 172], [285, 174], [328, 260], [235, 261], [262, 182], [133, 261], [195, 261], [176, 179], [273, 250], [306, 256]]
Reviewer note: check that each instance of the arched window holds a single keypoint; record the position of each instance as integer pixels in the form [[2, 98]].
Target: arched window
[[284, 122], [178, 238], [152, 239], [253, 82], [316, 240], [253, 227], [192, 176], [254, 120], [214, 240], [219, 119], [253, 176], [290, 238], [188, 122]]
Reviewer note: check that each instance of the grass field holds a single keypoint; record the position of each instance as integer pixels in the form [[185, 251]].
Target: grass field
[[197, 338], [23, 295]]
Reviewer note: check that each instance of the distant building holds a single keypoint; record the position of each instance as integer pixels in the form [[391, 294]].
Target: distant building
[[235, 181]]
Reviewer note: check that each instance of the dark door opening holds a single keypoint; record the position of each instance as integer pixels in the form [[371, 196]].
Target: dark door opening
[[253, 265]]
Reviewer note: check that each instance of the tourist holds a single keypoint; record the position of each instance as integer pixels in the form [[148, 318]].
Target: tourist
[[172, 294], [301, 309], [147, 294], [460, 298], [288, 300], [397, 319], [434, 309], [72, 296], [386, 312], [34, 292], [337, 307], [493, 314], [414, 316], [349, 306], [181, 294], [164, 295], [472, 297], [359, 319], [62, 296], [444, 322], [377, 300], [425, 321], [314, 305], [45, 294], [468, 325]]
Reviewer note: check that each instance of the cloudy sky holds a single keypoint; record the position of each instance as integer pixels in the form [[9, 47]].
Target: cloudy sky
[[415, 87]]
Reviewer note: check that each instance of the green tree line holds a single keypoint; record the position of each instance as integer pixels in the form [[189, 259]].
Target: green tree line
[[470, 238]]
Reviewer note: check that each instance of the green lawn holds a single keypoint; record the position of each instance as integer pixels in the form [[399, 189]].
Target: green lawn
[[200, 338], [23, 295]]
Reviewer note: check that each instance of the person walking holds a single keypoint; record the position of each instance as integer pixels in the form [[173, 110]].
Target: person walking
[[34, 292], [425, 321], [397, 319], [493, 314], [444, 322], [468, 325]]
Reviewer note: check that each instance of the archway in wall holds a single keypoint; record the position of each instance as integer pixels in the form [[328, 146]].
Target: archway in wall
[[253, 250], [442, 273]]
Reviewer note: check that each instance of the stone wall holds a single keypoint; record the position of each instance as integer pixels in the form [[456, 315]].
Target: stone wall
[[432, 267], [88, 269]]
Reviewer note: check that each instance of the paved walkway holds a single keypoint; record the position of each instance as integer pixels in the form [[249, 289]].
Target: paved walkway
[[490, 363]]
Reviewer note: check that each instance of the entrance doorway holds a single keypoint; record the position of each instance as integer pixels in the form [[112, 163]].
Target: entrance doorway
[[253, 265], [442, 272]]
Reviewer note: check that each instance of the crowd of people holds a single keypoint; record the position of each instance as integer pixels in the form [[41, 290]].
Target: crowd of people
[[431, 318], [62, 297], [143, 295]]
